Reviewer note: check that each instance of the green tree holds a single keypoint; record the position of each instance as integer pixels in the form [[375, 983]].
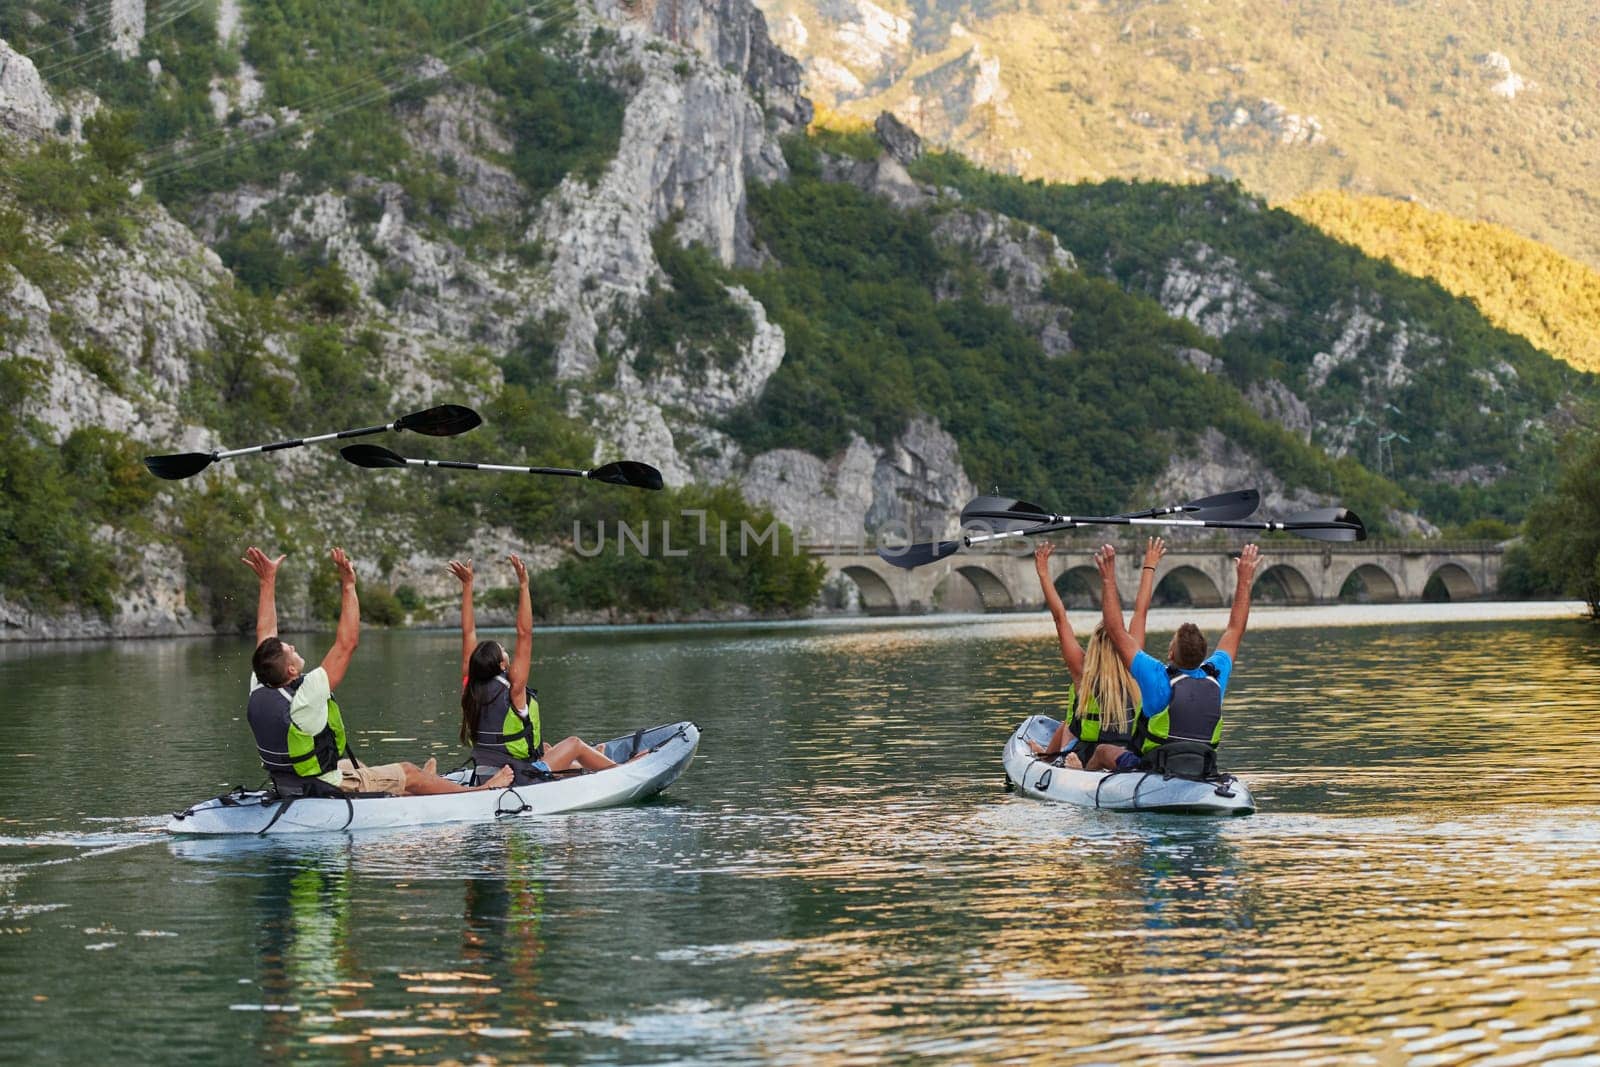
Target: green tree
[[1563, 528]]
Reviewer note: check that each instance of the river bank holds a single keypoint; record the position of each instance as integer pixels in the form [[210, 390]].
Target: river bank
[[1262, 617]]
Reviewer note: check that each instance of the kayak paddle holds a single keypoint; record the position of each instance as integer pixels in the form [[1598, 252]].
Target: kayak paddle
[[1321, 524], [622, 472], [1003, 513], [446, 420]]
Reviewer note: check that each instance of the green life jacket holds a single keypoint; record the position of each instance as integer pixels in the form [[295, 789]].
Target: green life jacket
[[502, 734], [1194, 713], [1085, 721], [284, 748]]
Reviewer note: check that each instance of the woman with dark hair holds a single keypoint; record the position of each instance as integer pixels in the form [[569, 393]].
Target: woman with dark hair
[[499, 714]]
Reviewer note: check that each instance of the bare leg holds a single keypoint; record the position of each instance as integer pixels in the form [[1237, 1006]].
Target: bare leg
[[571, 752], [1105, 757], [1062, 738], [421, 783]]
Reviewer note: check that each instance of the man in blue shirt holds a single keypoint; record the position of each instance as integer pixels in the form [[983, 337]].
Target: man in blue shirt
[[1182, 699]]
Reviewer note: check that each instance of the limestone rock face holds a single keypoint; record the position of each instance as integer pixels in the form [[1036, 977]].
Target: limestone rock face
[[915, 486], [1019, 259], [126, 27], [26, 106], [1210, 290]]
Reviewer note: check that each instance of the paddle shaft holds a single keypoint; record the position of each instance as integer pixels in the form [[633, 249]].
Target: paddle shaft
[[456, 464], [1065, 522], [298, 441]]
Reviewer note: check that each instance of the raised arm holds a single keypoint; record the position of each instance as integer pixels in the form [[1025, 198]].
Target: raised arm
[[1154, 549], [1071, 651], [469, 625], [348, 633], [266, 569], [522, 654], [1240, 615], [1105, 561]]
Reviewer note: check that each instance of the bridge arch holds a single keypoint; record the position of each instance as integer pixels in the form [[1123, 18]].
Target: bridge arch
[[1282, 583], [876, 596], [1450, 581], [1369, 584], [1187, 585], [1079, 587], [996, 597]]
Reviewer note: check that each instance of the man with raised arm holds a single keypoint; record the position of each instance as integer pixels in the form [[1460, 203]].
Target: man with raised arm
[[298, 727], [1182, 709]]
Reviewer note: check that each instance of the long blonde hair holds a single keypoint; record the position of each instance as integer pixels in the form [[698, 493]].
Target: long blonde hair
[[1109, 683]]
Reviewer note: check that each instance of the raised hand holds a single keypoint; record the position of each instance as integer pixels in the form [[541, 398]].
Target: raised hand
[[1105, 561], [347, 570], [1248, 559], [266, 568], [1154, 549], [462, 571], [520, 567], [1041, 554]]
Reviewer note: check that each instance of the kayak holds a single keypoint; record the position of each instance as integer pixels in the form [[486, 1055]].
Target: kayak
[[669, 750], [1116, 790]]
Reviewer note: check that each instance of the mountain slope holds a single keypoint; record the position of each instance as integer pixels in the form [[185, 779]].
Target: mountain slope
[[1521, 285], [1486, 110]]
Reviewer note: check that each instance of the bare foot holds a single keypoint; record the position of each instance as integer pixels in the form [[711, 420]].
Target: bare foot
[[431, 767], [501, 779], [1073, 761]]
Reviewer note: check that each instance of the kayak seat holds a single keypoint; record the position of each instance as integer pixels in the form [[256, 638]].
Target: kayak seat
[[1195, 760]]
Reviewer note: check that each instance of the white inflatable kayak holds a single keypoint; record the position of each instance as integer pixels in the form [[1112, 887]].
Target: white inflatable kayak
[[1117, 790], [670, 749]]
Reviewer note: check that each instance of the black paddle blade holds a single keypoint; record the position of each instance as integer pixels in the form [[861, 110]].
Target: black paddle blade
[[1328, 524], [1000, 514], [911, 556], [446, 420], [1224, 507], [627, 472], [183, 465], [375, 456]]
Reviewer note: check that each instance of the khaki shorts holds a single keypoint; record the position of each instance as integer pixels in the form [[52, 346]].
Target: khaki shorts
[[384, 778]]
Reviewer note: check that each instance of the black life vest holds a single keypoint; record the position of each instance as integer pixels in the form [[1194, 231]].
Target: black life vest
[[505, 737], [288, 752], [1194, 712]]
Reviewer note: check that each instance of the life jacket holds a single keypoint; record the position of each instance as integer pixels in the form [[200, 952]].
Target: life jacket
[[1086, 726], [503, 736], [1194, 713], [288, 752]]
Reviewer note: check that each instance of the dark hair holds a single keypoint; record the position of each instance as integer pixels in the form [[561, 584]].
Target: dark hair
[[270, 663], [1189, 647], [483, 667]]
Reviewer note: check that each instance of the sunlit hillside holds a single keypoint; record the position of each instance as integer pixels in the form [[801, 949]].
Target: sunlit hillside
[[1485, 110], [1521, 285]]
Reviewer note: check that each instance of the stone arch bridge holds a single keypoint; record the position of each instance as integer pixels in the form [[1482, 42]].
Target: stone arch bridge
[[1298, 573]]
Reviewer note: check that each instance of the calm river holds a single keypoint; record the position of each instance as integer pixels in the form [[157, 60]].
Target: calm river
[[839, 877]]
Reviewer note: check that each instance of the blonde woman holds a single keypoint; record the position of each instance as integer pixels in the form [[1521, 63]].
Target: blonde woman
[[1103, 703]]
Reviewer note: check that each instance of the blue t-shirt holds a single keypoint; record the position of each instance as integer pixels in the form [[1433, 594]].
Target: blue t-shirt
[[1156, 690]]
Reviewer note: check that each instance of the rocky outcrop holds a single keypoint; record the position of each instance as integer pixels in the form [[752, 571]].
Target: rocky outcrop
[[1019, 259], [915, 486], [1213, 464], [126, 27], [1210, 290], [26, 106]]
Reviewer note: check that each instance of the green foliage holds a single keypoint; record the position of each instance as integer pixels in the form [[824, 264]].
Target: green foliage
[[1472, 395], [858, 143], [111, 140], [1562, 532], [98, 360], [214, 520], [661, 564], [239, 389], [256, 259], [380, 607], [52, 499], [870, 342], [337, 377], [328, 291], [692, 321]]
